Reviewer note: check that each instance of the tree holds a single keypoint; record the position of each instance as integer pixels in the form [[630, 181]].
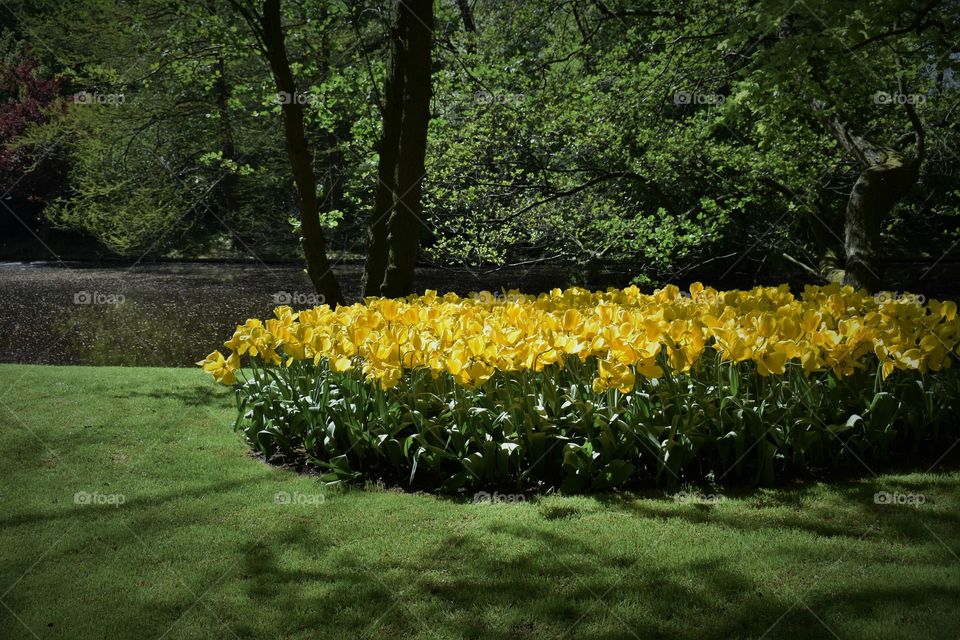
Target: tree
[[268, 29], [151, 170], [26, 98], [664, 140], [394, 229], [887, 173], [729, 142]]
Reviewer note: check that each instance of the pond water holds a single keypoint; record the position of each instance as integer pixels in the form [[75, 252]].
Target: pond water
[[172, 314]]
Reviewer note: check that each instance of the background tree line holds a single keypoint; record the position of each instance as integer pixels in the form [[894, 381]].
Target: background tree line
[[661, 139]]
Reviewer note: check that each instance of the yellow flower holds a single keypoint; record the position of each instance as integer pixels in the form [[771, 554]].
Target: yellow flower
[[222, 369], [614, 374], [771, 362], [571, 320], [824, 328], [341, 364]]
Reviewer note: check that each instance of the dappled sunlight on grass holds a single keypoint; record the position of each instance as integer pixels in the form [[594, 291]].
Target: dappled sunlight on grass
[[199, 546]]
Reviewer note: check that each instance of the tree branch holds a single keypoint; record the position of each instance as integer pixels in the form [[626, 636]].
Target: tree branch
[[917, 26], [630, 13], [569, 192]]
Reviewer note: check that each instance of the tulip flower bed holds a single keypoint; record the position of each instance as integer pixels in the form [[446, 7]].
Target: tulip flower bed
[[594, 390]]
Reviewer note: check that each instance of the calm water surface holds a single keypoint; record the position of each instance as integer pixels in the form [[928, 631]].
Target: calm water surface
[[169, 314]]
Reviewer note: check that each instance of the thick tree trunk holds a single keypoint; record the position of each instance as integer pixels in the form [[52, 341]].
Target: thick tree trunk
[[887, 176], [875, 193], [415, 22], [314, 242]]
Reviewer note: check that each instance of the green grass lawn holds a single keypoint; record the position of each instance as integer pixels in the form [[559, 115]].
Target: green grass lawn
[[199, 547]]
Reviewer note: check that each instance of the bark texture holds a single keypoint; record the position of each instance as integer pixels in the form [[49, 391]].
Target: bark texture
[[887, 175], [876, 191], [301, 164], [394, 230]]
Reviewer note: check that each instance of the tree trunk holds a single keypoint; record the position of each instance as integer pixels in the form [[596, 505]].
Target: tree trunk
[[414, 19], [314, 242], [388, 150], [887, 176], [228, 184], [875, 193], [466, 14]]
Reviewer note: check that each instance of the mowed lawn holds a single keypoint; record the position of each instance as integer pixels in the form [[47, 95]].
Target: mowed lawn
[[129, 509]]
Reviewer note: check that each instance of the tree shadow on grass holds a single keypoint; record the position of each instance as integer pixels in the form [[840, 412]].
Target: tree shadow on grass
[[193, 396], [801, 508], [81, 513], [562, 585], [517, 577], [513, 575]]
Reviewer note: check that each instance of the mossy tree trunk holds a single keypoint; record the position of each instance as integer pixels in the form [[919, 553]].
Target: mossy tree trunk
[[887, 175]]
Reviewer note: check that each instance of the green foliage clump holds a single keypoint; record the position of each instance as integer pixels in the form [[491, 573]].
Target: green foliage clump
[[722, 422]]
